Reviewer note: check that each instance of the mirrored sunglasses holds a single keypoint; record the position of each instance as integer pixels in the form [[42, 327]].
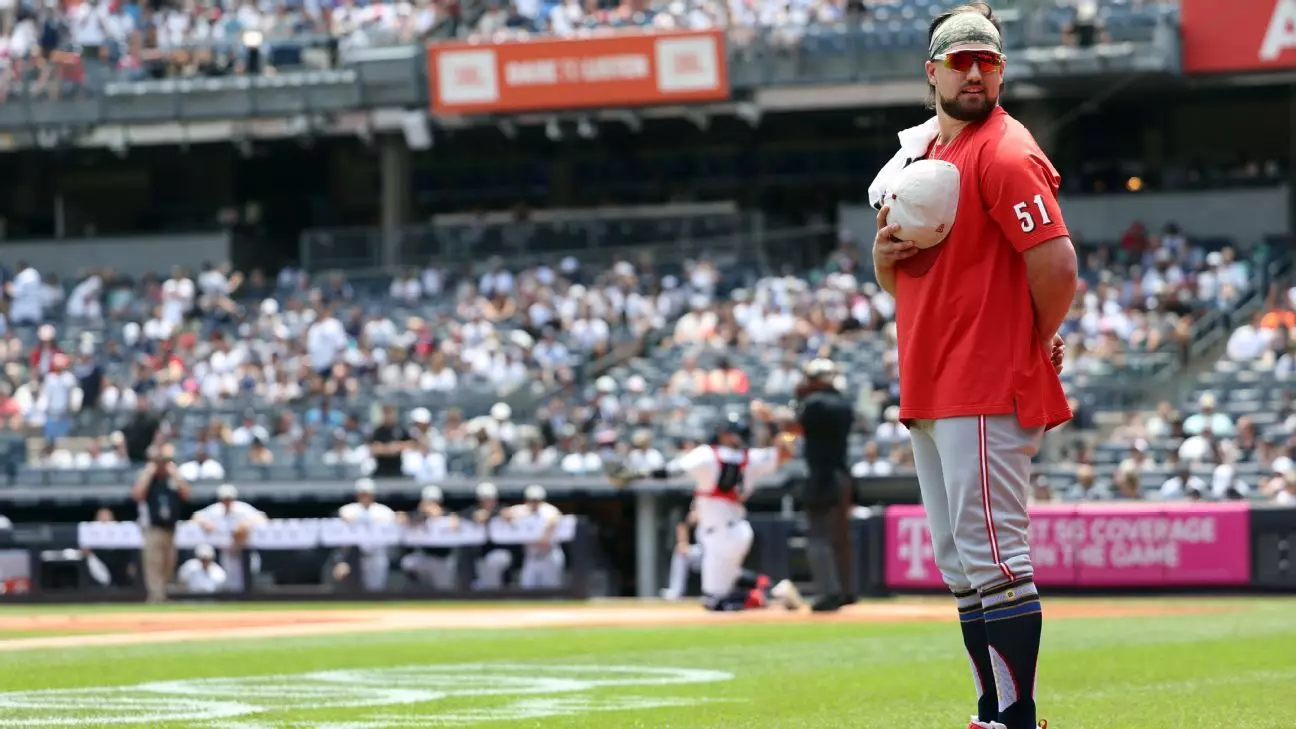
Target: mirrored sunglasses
[[962, 61]]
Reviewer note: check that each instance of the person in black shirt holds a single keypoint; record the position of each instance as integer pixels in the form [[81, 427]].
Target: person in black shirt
[[825, 417], [388, 441], [141, 431], [161, 494]]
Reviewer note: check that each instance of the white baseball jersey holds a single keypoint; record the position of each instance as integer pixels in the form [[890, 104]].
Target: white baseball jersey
[[237, 512], [197, 577], [725, 477]]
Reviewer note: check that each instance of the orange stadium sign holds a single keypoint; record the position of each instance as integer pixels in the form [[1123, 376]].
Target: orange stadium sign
[[1256, 35], [553, 74]]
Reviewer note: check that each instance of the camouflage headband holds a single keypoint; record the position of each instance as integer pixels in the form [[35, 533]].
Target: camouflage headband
[[961, 28]]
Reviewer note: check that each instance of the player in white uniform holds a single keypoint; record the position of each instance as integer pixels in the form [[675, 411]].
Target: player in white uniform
[[375, 562], [436, 566], [725, 474], [201, 575], [238, 518], [543, 561]]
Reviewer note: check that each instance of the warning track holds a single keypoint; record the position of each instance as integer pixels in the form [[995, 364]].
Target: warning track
[[148, 627]]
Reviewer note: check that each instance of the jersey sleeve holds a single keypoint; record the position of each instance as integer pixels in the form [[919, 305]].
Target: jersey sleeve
[[1020, 187]]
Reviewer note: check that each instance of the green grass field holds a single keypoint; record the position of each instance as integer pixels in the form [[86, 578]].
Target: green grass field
[[1234, 668]]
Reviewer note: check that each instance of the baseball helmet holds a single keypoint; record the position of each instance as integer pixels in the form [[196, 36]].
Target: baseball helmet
[[924, 201], [820, 369], [735, 425]]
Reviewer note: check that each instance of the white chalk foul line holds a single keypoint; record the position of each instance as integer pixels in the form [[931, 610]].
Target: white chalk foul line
[[213, 703]]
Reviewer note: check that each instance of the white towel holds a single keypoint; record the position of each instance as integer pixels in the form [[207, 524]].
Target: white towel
[[914, 143]]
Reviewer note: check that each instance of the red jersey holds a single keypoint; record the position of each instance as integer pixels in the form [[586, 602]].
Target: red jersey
[[964, 316]]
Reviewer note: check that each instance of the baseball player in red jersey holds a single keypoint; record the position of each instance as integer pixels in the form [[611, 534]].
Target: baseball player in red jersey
[[977, 319]]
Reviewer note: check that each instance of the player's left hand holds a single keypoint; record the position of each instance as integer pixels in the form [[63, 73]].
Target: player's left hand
[[1058, 353]]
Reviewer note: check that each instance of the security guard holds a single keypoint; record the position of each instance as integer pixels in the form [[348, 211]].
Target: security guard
[[825, 417]]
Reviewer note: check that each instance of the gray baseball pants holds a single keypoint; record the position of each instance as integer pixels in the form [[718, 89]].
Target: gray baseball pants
[[974, 475]]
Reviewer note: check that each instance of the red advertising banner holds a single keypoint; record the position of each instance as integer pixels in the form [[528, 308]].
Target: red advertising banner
[[1100, 545], [555, 74], [1256, 35]]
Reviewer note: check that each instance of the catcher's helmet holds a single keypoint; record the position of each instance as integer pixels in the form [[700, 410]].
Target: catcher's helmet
[[734, 425]]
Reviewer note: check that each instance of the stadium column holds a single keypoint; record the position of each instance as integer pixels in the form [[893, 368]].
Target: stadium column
[[647, 543], [394, 203]]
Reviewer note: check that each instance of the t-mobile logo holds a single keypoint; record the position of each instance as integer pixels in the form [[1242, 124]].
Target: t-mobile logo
[[915, 546]]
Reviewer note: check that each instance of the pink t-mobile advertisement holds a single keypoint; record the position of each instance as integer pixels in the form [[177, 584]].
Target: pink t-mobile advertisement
[[1101, 545]]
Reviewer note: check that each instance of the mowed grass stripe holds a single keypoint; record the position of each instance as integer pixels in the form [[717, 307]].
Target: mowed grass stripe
[[1230, 669]]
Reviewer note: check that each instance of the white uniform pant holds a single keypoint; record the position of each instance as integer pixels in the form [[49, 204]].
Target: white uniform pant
[[373, 569], [724, 549], [440, 572], [683, 564], [543, 568], [974, 475], [491, 568], [232, 562]]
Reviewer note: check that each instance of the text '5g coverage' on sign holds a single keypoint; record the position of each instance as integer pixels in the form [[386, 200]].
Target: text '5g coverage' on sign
[[554, 74], [1255, 35]]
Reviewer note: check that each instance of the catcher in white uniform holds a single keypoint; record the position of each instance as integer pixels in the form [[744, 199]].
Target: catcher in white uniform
[[725, 473]]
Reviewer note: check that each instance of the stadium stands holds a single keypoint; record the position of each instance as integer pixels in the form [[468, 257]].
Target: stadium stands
[[262, 380], [85, 44]]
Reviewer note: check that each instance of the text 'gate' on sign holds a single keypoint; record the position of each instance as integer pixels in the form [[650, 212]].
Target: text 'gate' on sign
[[624, 70]]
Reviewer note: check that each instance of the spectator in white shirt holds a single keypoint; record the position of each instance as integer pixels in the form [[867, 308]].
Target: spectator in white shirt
[[1226, 485], [697, 325], [83, 304], [582, 460], [26, 295], [177, 297], [1250, 341], [325, 340], [439, 376], [534, 458], [406, 289], [891, 430], [249, 431], [642, 456], [238, 519], [1183, 485], [201, 575], [202, 468], [873, 464], [423, 464], [94, 456]]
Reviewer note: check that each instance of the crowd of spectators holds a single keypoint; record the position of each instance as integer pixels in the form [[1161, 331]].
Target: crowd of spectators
[[52, 46], [254, 372], [299, 374]]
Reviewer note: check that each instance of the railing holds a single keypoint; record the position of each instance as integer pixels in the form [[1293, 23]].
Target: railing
[[595, 241]]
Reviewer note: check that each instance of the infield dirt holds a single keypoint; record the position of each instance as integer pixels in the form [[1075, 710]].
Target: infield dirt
[[152, 627]]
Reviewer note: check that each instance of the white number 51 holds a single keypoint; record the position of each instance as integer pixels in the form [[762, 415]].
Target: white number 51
[[1027, 220]]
